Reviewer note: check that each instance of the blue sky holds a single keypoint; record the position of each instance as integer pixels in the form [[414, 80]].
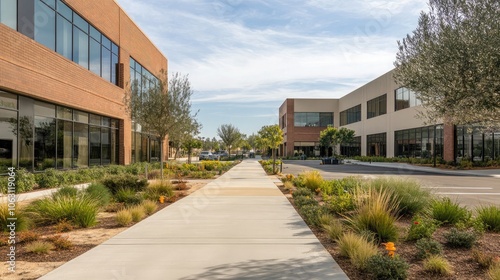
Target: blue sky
[[244, 58]]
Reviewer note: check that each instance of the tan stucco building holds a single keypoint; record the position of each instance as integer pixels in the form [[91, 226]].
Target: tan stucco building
[[383, 115]]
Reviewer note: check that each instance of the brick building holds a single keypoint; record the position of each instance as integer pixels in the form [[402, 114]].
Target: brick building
[[64, 69], [383, 115]]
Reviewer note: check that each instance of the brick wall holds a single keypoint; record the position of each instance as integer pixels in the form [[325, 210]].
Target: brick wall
[[31, 69]]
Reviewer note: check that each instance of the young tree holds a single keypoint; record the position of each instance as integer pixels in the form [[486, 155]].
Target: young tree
[[329, 138], [160, 107], [452, 61], [189, 145], [273, 137], [252, 141], [230, 135], [185, 131], [345, 136]]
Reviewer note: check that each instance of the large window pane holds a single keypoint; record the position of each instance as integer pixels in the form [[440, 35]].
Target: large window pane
[[45, 109], [45, 143], [95, 57], [64, 144], [8, 100], [45, 25], [81, 47], [81, 23], [64, 10], [25, 130], [95, 145], [106, 64], [8, 139], [114, 63], [106, 146], [81, 145], [64, 37], [8, 13]]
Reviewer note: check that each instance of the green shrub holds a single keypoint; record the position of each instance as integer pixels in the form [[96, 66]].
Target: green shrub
[[81, 210], [437, 265], [357, 248], [137, 213], [313, 180], [65, 191], [421, 228], [124, 181], [301, 191], [48, 179], [448, 212], [460, 239], [341, 203], [375, 212], [25, 180], [311, 213], [288, 185], [157, 189], [408, 194], [100, 193], [301, 201], [201, 174], [39, 247], [149, 206], [123, 217], [428, 247], [22, 221], [128, 196], [490, 217], [385, 267]]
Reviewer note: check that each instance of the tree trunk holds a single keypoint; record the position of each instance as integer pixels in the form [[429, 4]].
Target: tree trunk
[[161, 159], [273, 152]]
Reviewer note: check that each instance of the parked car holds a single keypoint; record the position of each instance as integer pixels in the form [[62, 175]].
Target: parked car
[[223, 153], [206, 155]]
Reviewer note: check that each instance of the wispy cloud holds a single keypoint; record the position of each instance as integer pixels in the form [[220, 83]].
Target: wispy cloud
[[265, 51]]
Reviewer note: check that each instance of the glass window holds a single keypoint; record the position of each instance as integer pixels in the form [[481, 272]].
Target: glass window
[[80, 23], [325, 119], [95, 119], [95, 145], [95, 34], [64, 37], [106, 64], [51, 3], [312, 119], [81, 145], [64, 144], [45, 109], [8, 13], [64, 113], [106, 121], [106, 42], [45, 25], [105, 146], [95, 57], [376, 106], [81, 47], [8, 100], [114, 65], [64, 10], [45, 143], [80, 116], [114, 48], [115, 146], [376, 145], [8, 141]]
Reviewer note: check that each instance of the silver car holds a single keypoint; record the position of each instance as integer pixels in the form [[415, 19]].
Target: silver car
[[206, 155]]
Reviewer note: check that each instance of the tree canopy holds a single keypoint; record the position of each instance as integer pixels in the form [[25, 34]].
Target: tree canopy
[[230, 135], [452, 62], [272, 137], [162, 107], [331, 136]]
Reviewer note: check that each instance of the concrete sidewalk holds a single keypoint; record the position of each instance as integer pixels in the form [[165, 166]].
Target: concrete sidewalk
[[239, 226]]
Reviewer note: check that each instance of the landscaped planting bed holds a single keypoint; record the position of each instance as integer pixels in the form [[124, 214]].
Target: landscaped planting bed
[[389, 228]]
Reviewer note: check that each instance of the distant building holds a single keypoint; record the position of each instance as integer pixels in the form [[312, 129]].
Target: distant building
[[383, 115], [64, 67]]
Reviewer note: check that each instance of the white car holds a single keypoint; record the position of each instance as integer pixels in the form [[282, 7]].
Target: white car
[[206, 155]]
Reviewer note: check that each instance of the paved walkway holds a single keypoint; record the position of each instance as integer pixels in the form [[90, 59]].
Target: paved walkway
[[239, 226]]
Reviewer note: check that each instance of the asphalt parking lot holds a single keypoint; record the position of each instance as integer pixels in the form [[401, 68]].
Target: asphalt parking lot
[[470, 191]]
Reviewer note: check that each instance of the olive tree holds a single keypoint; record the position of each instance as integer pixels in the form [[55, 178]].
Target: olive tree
[[452, 62], [159, 106]]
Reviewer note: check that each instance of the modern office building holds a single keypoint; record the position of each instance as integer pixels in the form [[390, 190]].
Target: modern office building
[[384, 118], [64, 69]]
